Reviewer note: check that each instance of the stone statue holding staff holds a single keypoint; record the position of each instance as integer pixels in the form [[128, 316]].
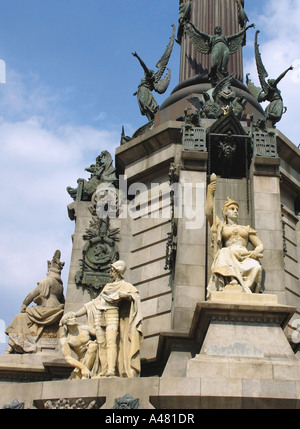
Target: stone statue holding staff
[[233, 263]]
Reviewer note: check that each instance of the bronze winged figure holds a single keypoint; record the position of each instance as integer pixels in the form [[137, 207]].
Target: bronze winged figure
[[268, 91], [243, 18], [219, 46], [154, 82]]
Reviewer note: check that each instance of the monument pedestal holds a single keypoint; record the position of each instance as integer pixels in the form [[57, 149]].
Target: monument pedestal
[[235, 355], [47, 364], [244, 351]]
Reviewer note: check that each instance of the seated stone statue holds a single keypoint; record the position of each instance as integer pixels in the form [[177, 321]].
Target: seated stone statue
[[80, 339], [115, 316], [233, 263], [27, 327]]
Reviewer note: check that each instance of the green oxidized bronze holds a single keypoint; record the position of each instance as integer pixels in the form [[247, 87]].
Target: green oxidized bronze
[[243, 18], [219, 46], [184, 16], [218, 102], [268, 91], [126, 403], [101, 172], [154, 82]]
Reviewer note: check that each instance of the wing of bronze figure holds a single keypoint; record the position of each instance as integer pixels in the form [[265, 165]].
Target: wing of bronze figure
[[235, 42], [262, 73], [254, 90], [200, 40], [161, 85], [196, 102]]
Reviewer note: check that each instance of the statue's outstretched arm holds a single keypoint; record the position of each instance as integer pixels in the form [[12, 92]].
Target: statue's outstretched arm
[[201, 33], [81, 312], [240, 33], [146, 70], [283, 74], [249, 26]]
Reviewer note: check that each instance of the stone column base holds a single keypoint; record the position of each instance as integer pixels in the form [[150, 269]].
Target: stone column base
[[243, 339]]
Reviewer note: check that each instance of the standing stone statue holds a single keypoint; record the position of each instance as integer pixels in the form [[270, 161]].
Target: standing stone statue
[[154, 82], [233, 263], [268, 91], [219, 46], [115, 316], [27, 327], [80, 340]]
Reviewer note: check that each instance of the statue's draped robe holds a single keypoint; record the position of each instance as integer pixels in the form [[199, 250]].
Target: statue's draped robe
[[146, 101], [274, 110], [227, 265], [26, 328], [130, 324]]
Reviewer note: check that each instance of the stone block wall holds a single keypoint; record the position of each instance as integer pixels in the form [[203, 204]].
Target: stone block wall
[[189, 282], [80, 214], [265, 191], [291, 245], [168, 303], [148, 274]]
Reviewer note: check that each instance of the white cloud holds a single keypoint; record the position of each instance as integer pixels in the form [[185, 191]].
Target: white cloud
[[279, 41], [101, 116], [24, 96], [39, 158], [39, 165]]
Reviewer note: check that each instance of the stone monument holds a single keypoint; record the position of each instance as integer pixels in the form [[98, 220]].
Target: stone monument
[[234, 266], [28, 326], [154, 82], [202, 204], [115, 321]]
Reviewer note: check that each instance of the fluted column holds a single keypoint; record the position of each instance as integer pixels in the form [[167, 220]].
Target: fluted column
[[206, 15]]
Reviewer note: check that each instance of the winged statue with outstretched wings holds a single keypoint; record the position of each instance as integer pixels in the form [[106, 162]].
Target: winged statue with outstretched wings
[[268, 91], [154, 81], [219, 46]]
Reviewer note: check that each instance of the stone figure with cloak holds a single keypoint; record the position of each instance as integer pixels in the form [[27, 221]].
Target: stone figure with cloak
[[28, 326], [233, 264], [116, 318]]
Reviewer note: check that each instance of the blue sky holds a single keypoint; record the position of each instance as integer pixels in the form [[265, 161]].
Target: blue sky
[[70, 79], [81, 51]]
